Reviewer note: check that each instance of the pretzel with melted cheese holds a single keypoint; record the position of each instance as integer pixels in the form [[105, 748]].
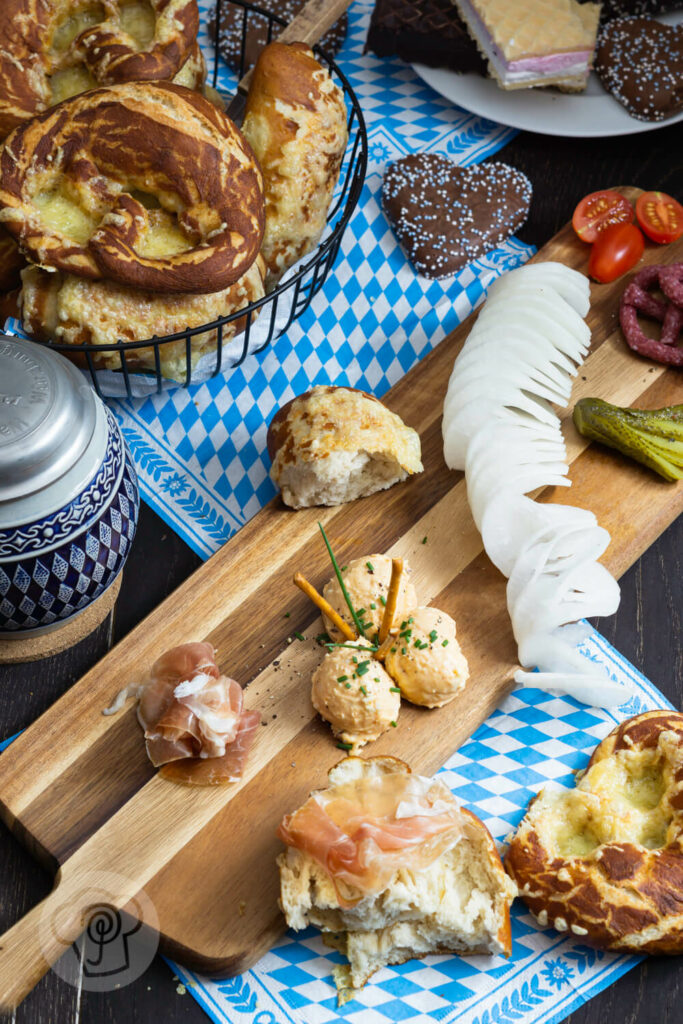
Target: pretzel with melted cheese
[[53, 49], [146, 184], [295, 121], [605, 861]]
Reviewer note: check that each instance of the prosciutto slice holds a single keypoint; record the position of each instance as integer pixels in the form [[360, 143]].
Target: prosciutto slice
[[193, 718], [362, 832]]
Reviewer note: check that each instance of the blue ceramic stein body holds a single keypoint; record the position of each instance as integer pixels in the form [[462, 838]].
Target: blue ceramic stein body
[[68, 495]]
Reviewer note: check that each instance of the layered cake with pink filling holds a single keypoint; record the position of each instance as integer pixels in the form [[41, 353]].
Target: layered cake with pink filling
[[534, 42]]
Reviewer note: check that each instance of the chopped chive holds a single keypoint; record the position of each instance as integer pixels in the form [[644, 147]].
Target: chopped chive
[[394, 689], [444, 643], [345, 746], [424, 540], [404, 624], [299, 635], [363, 691], [361, 611], [433, 636], [404, 650], [286, 615], [354, 659], [344, 568], [342, 679], [373, 605], [323, 638], [383, 600], [370, 566], [352, 647], [392, 724], [338, 574], [347, 686], [363, 668], [393, 650], [411, 619]]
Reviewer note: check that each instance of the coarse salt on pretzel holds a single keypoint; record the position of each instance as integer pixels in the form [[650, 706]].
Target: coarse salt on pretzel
[[605, 861], [74, 200], [52, 49], [636, 298]]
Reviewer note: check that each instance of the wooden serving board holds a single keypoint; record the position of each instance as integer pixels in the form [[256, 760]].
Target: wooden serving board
[[77, 787]]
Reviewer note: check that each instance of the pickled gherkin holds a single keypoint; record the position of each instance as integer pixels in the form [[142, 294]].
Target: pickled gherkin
[[651, 436]]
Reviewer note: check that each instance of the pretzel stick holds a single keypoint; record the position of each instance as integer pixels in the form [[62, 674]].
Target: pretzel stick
[[324, 606], [392, 598], [382, 651]]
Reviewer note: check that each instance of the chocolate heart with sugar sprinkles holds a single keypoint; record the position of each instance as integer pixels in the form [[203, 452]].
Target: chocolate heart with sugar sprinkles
[[640, 61], [445, 216]]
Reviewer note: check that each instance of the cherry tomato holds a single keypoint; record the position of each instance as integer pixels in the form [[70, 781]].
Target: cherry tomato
[[660, 216], [597, 211], [618, 248]]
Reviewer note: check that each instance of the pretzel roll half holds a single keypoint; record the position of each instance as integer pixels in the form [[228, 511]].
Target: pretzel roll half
[[146, 184], [76, 311], [604, 861], [295, 121]]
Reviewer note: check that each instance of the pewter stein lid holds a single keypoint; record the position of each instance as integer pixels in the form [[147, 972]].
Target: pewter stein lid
[[47, 417]]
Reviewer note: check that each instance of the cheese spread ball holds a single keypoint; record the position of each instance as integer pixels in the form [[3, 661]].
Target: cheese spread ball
[[426, 661], [367, 581], [352, 691]]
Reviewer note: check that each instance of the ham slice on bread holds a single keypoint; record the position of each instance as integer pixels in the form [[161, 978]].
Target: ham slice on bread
[[390, 867]]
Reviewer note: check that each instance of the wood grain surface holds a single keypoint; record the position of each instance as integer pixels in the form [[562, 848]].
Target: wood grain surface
[[646, 629], [94, 803]]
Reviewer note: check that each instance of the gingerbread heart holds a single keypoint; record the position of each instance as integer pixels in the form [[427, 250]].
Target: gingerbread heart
[[640, 61], [445, 216]]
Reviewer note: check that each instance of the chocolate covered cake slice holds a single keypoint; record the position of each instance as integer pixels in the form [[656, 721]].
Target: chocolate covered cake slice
[[534, 42], [428, 31]]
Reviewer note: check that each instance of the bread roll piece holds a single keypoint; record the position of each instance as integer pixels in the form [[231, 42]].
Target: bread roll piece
[[295, 121], [389, 866], [335, 444], [604, 861]]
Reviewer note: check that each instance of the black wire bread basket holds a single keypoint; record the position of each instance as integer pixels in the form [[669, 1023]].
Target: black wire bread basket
[[134, 367]]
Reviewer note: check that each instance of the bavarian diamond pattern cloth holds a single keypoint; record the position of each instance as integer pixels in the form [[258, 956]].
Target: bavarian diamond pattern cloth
[[200, 452], [532, 740]]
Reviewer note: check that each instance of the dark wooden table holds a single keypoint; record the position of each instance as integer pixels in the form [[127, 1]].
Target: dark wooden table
[[646, 629]]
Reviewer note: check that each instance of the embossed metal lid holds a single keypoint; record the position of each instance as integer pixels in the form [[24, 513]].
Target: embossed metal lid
[[47, 417]]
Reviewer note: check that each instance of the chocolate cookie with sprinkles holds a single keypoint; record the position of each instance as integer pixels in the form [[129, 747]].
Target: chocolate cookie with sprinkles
[[640, 62], [445, 216]]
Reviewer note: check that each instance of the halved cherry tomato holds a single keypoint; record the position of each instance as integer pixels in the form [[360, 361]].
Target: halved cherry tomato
[[617, 249], [660, 216], [597, 211]]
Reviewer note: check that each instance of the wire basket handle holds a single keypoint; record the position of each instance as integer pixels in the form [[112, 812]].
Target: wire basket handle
[[309, 26]]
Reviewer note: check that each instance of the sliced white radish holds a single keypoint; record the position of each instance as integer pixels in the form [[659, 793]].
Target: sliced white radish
[[588, 687]]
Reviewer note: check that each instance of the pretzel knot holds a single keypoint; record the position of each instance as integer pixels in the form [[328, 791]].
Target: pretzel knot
[[112, 55], [637, 298], [148, 185], [50, 49]]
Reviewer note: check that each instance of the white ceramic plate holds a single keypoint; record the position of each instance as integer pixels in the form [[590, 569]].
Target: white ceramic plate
[[582, 115]]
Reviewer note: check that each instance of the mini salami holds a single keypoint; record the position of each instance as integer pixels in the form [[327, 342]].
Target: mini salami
[[638, 298]]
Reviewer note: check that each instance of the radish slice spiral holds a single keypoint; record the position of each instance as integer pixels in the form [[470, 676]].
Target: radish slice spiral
[[500, 426]]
